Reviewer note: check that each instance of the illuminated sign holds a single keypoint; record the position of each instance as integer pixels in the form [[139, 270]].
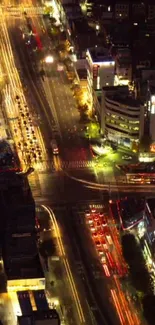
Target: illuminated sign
[[152, 147], [26, 284], [152, 104], [106, 63], [95, 70]]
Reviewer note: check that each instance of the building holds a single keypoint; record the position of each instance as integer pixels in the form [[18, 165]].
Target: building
[[33, 309], [101, 66], [83, 36], [151, 9], [85, 85], [22, 263], [50, 317], [122, 117], [18, 233], [72, 11], [123, 62], [122, 10], [131, 212]]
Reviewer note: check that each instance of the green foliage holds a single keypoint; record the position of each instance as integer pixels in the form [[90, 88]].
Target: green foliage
[[55, 30], [132, 253], [48, 11], [52, 20], [47, 248], [84, 118], [145, 143], [93, 130], [61, 47], [148, 304]]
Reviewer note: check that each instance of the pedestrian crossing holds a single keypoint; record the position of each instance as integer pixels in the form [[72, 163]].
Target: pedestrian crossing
[[64, 165]]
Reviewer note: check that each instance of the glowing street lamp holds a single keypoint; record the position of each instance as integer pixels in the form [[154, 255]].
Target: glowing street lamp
[[49, 59], [97, 27]]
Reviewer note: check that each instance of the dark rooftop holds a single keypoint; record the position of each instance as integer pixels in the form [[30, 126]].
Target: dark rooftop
[[23, 268], [84, 35], [120, 94], [82, 73], [99, 54], [126, 100], [51, 315], [20, 245], [21, 218]]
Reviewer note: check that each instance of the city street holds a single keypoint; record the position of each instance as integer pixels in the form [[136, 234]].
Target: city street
[[67, 184], [64, 288]]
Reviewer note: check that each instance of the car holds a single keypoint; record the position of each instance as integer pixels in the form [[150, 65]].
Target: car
[[95, 235], [103, 222], [98, 244], [101, 233], [90, 221], [103, 259], [100, 251], [92, 229], [96, 218], [109, 239], [87, 213], [97, 225], [126, 157]]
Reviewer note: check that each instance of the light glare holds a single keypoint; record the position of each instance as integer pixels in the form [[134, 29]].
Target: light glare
[[49, 59]]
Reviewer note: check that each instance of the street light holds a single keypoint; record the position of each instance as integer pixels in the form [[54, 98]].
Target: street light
[[49, 59], [97, 27]]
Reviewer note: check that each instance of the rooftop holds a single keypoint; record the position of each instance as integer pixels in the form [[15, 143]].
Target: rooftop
[[132, 211], [99, 54], [23, 268], [20, 245], [126, 100], [82, 73], [120, 94], [84, 35], [50, 317], [21, 218]]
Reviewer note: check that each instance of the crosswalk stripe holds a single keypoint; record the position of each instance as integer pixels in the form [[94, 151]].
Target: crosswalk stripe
[[77, 164]]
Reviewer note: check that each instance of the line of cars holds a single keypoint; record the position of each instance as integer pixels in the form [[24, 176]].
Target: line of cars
[[104, 243]]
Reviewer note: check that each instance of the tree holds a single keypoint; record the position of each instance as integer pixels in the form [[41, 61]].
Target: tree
[[145, 143], [52, 20], [61, 47], [81, 95], [47, 248], [135, 146], [93, 130], [67, 62], [84, 118], [83, 108], [48, 11], [132, 253], [148, 303], [55, 30]]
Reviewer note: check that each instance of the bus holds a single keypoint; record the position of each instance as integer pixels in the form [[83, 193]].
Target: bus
[[54, 146]]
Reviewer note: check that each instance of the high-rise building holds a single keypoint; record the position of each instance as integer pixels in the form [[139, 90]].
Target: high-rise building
[[50, 317], [18, 233], [102, 67], [122, 117]]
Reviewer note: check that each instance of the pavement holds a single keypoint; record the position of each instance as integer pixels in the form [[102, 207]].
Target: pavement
[[67, 179], [86, 265], [65, 285]]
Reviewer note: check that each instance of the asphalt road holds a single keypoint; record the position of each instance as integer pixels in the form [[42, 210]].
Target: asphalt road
[[51, 99], [86, 264]]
